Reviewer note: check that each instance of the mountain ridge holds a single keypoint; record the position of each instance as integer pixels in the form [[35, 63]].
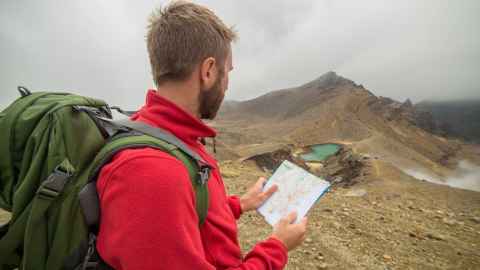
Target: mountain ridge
[[285, 103], [334, 109]]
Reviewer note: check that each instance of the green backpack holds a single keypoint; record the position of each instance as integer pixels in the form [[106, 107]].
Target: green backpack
[[52, 147]]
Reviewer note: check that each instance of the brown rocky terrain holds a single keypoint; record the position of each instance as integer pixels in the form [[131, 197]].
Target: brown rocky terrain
[[377, 216], [388, 221]]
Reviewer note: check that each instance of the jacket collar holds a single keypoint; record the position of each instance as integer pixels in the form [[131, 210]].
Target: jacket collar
[[161, 112]]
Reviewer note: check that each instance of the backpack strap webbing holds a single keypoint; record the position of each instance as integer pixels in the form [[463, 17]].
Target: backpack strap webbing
[[163, 135], [132, 140]]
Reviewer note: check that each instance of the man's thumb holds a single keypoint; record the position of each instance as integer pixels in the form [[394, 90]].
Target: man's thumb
[[292, 217]]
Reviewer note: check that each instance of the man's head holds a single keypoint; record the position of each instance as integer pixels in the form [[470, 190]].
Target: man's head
[[185, 39]]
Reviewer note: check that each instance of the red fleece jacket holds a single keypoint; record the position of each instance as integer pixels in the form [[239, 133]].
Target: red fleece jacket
[[148, 217]]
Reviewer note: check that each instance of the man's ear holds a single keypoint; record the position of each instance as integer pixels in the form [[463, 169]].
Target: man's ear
[[208, 72]]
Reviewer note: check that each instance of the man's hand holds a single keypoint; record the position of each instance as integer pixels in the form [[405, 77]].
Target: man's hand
[[255, 197], [291, 235]]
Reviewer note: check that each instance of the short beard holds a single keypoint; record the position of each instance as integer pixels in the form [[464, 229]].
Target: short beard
[[210, 100]]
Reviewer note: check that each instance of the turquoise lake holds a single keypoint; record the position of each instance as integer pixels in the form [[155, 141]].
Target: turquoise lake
[[320, 152]]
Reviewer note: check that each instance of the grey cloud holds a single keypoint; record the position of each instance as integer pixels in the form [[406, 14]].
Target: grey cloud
[[401, 49]]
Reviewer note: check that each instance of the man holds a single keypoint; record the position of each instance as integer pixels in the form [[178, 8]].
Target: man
[[148, 218]]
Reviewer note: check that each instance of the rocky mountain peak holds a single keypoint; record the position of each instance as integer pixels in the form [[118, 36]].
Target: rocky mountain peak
[[329, 79], [407, 104]]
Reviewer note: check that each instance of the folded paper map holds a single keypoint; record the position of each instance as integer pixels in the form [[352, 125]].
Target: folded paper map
[[298, 190]]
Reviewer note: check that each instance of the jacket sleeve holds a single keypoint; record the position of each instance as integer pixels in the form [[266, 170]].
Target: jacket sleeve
[[149, 220], [270, 254], [234, 203]]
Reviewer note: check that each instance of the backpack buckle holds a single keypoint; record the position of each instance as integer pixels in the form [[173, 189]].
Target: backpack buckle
[[204, 173], [90, 261], [54, 184]]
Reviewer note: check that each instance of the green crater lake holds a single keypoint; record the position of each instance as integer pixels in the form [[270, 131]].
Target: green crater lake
[[320, 152]]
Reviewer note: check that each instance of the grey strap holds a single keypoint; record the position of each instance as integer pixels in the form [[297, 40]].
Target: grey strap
[[90, 205], [158, 133], [120, 110]]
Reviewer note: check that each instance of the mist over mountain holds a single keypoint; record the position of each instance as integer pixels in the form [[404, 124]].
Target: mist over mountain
[[456, 118]]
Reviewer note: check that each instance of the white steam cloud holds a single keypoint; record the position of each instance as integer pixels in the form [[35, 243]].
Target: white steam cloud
[[466, 176]]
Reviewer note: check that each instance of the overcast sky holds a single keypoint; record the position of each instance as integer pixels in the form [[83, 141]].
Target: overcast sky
[[400, 49]]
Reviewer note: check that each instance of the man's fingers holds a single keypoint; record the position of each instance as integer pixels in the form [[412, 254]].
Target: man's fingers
[[303, 225], [260, 182], [288, 219], [270, 191], [304, 236], [304, 221], [291, 217]]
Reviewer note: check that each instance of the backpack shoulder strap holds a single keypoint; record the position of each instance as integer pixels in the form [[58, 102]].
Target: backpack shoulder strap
[[160, 134], [88, 197], [198, 171]]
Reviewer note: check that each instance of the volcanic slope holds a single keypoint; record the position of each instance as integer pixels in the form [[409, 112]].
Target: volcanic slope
[[335, 109], [387, 219]]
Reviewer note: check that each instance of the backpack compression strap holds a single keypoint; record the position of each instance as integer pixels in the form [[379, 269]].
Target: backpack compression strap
[[112, 127], [199, 170], [166, 136]]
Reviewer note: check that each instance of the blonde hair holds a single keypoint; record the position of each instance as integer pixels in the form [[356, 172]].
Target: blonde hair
[[183, 34]]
